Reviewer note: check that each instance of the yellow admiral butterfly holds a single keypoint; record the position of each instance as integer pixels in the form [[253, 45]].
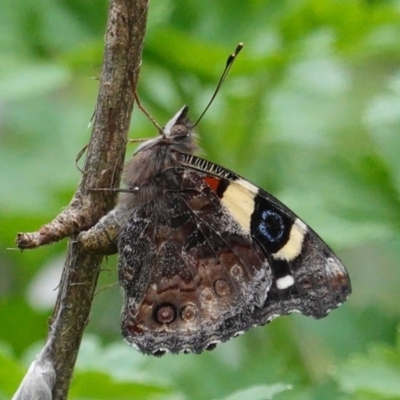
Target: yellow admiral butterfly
[[204, 254]]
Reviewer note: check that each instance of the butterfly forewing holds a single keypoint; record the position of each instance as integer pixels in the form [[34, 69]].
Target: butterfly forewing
[[307, 276]]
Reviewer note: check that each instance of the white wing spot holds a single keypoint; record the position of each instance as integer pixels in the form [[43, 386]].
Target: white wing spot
[[285, 282]]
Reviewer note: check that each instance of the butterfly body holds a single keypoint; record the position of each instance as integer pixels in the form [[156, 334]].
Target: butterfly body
[[204, 254]]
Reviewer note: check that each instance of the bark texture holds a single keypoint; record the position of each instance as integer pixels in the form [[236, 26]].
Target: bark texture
[[102, 169]]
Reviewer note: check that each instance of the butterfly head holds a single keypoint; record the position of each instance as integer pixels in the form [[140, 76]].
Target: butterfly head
[[155, 155], [177, 135], [179, 125]]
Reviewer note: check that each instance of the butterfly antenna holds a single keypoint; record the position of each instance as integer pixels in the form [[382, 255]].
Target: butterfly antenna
[[144, 111], [229, 63]]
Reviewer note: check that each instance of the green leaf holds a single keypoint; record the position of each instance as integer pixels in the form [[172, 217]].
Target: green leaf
[[11, 373], [376, 373], [32, 80], [97, 385], [260, 392]]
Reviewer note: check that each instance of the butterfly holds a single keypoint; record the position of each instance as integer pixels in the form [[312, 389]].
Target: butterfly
[[204, 254]]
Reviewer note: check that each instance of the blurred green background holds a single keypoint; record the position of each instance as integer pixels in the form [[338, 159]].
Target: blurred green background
[[310, 112]]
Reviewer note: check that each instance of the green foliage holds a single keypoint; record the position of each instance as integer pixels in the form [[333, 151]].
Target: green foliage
[[310, 112], [375, 374], [11, 374]]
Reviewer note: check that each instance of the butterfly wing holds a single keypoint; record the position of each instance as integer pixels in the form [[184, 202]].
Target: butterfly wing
[[214, 256], [307, 276], [191, 276]]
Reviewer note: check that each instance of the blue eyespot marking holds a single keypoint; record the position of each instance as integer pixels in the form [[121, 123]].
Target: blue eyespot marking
[[271, 226]]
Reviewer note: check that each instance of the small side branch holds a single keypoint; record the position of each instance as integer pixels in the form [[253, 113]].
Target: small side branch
[[69, 222]]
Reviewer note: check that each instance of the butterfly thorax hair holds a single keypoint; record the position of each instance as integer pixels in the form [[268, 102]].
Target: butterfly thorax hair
[[154, 156]]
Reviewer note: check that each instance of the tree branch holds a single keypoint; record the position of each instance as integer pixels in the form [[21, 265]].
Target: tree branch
[[103, 166]]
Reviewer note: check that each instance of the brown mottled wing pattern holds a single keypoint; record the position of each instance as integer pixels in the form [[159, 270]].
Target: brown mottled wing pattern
[[190, 274]]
